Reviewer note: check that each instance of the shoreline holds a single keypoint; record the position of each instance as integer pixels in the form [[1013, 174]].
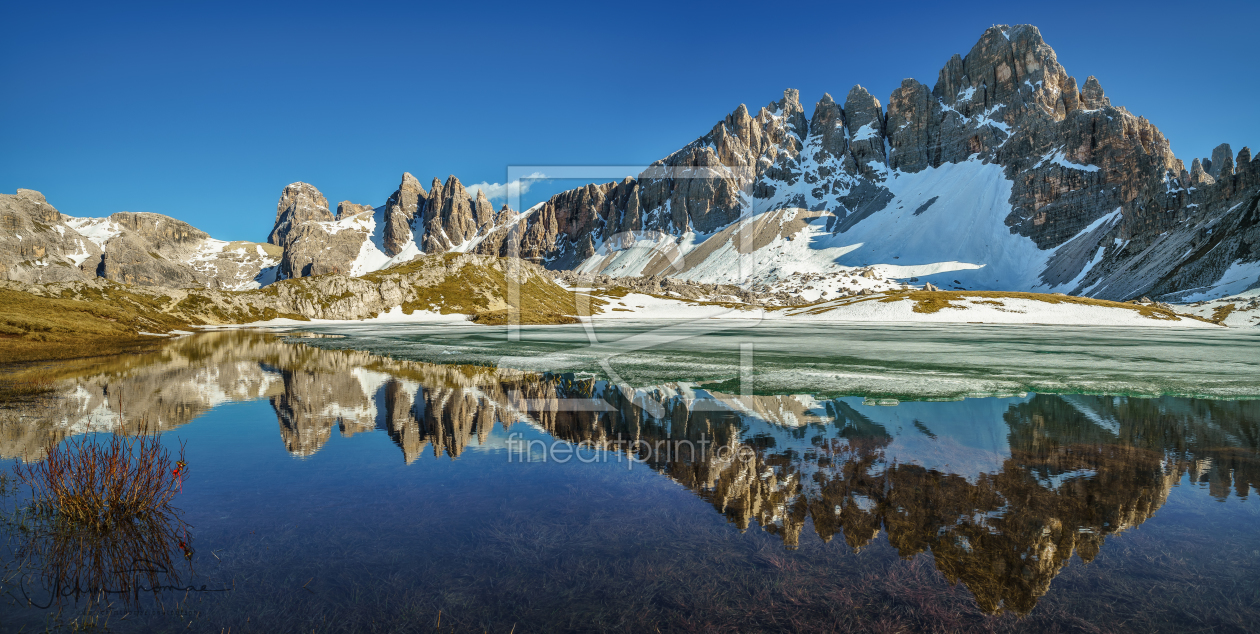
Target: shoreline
[[988, 308]]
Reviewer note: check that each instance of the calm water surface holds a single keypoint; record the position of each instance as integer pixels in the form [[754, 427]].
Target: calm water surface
[[334, 488]]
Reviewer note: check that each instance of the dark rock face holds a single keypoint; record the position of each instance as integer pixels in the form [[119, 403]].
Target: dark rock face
[[911, 111], [1183, 240], [865, 122]]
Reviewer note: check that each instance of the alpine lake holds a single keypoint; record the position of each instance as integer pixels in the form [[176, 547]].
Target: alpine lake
[[702, 476]]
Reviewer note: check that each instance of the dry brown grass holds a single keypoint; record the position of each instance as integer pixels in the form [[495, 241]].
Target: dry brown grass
[[25, 390], [1221, 312], [935, 301], [525, 317], [474, 290], [36, 328]]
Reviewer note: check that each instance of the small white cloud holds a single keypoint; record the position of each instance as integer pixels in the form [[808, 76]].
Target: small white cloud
[[495, 191]]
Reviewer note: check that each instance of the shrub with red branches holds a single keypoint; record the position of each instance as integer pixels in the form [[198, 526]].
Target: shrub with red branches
[[90, 483]]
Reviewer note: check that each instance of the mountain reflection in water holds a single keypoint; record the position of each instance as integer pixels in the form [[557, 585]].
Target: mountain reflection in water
[[1001, 492]]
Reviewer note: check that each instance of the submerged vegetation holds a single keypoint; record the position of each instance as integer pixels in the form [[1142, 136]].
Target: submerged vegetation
[[98, 524], [96, 484], [15, 391]]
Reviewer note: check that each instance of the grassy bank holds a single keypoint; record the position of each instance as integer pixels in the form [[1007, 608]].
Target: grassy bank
[[100, 318], [35, 328]]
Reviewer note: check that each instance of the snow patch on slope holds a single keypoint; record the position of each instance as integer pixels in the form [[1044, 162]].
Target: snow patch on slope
[[1239, 277], [98, 230], [962, 235]]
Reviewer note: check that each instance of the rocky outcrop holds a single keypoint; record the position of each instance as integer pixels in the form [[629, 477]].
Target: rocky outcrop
[[1180, 243], [152, 250], [401, 211], [864, 120], [700, 188], [144, 249], [461, 283], [37, 246], [300, 203], [412, 221], [451, 217], [346, 209], [313, 242], [148, 249]]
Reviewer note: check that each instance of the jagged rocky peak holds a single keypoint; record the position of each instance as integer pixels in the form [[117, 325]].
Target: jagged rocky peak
[[310, 246], [404, 207], [828, 132], [346, 209], [864, 119], [1222, 162], [789, 107], [1092, 97], [483, 212], [1198, 176], [449, 219], [911, 109], [1008, 65], [299, 203]]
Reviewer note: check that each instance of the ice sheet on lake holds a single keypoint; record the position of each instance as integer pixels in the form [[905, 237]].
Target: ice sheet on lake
[[910, 362]]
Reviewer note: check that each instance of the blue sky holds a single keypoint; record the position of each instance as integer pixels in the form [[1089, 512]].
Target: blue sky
[[206, 111]]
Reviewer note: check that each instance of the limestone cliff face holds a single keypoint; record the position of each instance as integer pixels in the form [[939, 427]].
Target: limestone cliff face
[[37, 246], [299, 203], [147, 249], [347, 209], [314, 242], [452, 217], [401, 211], [412, 221], [143, 249]]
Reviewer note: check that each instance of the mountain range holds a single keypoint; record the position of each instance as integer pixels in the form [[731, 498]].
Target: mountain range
[[1007, 174]]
